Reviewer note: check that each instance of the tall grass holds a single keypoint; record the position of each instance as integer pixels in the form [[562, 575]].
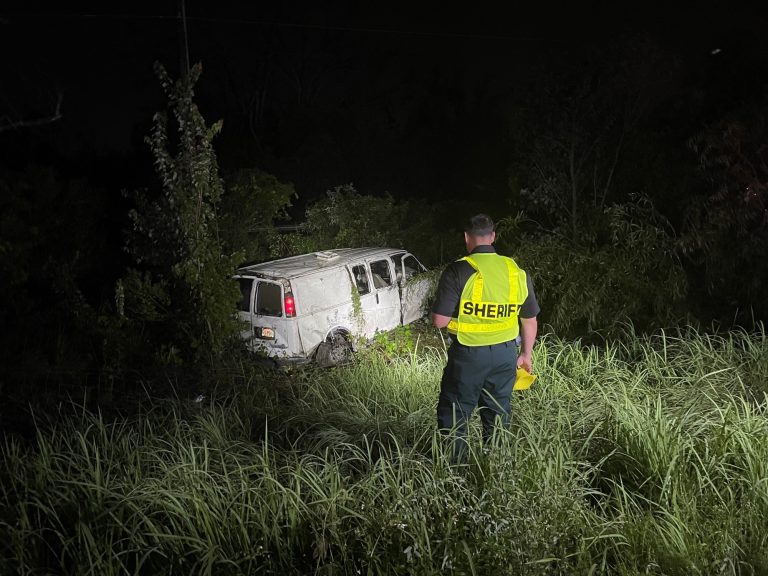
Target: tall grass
[[645, 457]]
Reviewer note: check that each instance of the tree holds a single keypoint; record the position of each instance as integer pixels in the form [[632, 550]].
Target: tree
[[576, 128], [182, 289], [346, 218], [20, 106], [51, 270], [8, 122], [635, 275], [600, 248], [726, 231], [253, 203]]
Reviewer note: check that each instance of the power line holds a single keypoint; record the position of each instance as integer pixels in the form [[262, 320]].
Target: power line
[[279, 24]]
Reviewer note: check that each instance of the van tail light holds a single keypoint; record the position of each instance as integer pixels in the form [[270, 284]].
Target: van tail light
[[289, 305]]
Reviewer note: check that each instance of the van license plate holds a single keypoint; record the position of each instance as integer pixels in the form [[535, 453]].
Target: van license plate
[[267, 333]]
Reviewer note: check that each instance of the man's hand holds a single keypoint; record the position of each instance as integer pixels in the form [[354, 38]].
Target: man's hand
[[524, 361], [528, 329]]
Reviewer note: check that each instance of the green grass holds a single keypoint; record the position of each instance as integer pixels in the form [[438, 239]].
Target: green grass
[[648, 457]]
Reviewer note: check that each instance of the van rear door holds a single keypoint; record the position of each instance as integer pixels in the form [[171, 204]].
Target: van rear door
[[273, 331], [244, 308]]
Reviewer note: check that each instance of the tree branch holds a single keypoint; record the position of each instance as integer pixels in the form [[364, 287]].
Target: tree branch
[[7, 123]]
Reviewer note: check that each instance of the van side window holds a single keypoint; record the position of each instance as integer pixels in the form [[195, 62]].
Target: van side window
[[268, 299], [382, 277], [361, 279], [245, 294]]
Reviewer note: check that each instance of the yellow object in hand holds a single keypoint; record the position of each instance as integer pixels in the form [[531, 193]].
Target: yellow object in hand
[[524, 379]]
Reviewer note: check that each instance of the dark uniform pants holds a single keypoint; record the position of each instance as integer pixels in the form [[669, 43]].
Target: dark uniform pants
[[481, 376]]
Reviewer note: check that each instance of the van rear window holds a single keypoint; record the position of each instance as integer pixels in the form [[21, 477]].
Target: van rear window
[[269, 299]]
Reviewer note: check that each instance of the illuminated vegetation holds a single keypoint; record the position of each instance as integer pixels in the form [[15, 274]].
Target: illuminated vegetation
[[648, 457]]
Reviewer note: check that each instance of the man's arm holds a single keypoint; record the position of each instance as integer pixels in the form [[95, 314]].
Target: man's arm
[[446, 298], [528, 329], [440, 321]]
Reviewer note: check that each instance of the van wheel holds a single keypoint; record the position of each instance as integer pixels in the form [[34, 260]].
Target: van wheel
[[340, 350], [335, 350]]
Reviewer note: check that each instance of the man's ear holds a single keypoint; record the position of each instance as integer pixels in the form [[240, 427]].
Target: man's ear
[[493, 237], [466, 238]]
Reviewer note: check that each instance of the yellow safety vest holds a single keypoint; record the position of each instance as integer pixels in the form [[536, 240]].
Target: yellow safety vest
[[490, 302]]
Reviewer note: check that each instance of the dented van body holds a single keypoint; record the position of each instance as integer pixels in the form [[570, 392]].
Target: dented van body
[[317, 306]]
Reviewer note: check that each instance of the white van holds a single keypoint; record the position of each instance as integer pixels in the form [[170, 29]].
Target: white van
[[317, 306]]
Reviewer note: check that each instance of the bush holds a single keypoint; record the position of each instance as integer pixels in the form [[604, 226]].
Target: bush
[[252, 204], [625, 269], [344, 218]]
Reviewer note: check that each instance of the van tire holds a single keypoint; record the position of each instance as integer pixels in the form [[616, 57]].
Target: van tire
[[334, 351]]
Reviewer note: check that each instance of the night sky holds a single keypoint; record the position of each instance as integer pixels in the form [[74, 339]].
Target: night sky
[[391, 97]]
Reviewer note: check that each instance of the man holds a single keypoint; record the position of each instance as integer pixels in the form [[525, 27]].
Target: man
[[486, 302]]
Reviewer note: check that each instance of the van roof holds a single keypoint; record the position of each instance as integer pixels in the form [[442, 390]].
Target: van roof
[[305, 264]]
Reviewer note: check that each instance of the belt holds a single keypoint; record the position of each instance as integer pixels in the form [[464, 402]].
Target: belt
[[507, 343]]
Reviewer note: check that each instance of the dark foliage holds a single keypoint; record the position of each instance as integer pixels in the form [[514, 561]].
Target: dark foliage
[[179, 299]]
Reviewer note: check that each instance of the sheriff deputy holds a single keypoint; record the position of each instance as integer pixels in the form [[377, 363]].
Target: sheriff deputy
[[487, 304]]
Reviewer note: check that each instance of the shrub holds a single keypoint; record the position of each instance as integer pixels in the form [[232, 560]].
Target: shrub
[[625, 268]]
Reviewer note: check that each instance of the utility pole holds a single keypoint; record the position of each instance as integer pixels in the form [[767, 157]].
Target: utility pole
[[185, 40]]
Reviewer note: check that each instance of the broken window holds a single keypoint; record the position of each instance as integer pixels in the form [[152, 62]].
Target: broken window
[[361, 279], [382, 277], [245, 294], [411, 266]]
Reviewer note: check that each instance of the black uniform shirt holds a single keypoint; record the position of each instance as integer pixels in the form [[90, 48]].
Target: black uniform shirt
[[456, 275]]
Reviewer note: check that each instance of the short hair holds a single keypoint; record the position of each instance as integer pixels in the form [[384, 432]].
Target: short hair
[[479, 225]]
